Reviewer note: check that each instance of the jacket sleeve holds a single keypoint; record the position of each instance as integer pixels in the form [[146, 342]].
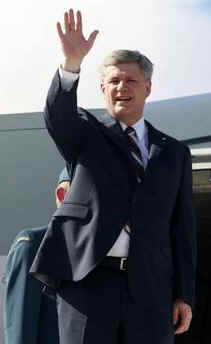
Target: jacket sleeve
[[66, 123], [184, 237], [22, 296]]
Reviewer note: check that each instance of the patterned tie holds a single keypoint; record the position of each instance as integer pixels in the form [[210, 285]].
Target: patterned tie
[[132, 141]]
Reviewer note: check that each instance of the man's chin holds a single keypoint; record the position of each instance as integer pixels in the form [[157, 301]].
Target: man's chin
[[121, 112], [127, 116], [123, 116]]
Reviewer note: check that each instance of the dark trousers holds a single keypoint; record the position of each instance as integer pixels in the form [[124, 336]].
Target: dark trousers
[[99, 309]]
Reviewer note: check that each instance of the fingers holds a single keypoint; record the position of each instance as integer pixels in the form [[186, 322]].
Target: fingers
[[182, 316], [175, 315], [69, 23], [71, 20], [79, 22], [72, 32], [59, 30], [92, 38], [66, 22], [184, 324]]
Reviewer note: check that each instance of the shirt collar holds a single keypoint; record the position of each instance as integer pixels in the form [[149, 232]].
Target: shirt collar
[[139, 126]]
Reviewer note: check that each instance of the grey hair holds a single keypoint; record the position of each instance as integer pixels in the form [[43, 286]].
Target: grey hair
[[128, 56]]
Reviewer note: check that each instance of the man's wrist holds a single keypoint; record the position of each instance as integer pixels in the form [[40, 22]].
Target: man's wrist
[[72, 66], [67, 78]]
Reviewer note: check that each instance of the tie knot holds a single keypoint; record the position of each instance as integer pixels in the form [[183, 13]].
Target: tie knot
[[131, 132], [133, 145]]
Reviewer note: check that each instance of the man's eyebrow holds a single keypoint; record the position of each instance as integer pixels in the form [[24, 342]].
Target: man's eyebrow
[[113, 78]]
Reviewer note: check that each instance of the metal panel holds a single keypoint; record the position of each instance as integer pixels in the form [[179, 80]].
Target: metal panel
[[28, 174]]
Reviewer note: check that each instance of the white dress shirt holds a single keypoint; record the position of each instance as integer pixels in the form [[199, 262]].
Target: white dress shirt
[[121, 246]]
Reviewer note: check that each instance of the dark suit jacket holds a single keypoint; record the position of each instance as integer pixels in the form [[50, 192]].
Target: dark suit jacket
[[29, 315], [105, 195]]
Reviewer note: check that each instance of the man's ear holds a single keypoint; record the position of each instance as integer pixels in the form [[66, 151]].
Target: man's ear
[[60, 193], [148, 88]]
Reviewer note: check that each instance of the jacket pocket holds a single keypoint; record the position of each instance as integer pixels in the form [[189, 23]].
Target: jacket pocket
[[72, 210]]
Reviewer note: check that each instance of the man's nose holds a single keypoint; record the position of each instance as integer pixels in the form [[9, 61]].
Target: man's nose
[[122, 85]]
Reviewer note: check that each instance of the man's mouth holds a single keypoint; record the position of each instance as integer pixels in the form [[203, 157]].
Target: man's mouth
[[123, 99]]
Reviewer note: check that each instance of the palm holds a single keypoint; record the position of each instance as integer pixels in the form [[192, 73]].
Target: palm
[[74, 44]]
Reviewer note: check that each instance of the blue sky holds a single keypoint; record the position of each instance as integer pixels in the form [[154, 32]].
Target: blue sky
[[175, 34]]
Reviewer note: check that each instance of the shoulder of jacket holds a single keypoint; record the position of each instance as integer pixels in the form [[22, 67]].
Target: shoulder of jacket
[[89, 115], [29, 235], [172, 140], [177, 143]]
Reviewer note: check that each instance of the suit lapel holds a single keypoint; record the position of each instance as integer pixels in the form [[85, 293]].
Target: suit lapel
[[113, 130], [157, 143]]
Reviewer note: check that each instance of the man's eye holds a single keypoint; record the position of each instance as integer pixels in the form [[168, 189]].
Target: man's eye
[[131, 80], [114, 82]]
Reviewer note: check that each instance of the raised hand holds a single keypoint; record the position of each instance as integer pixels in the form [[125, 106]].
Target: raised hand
[[74, 45]]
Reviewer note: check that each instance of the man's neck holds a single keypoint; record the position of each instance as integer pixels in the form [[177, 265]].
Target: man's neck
[[132, 122]]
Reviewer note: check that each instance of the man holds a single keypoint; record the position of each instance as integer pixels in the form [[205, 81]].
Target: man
[[29, 315], [125, 235]]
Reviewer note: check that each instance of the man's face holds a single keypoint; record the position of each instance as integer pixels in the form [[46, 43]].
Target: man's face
[[125, 90]]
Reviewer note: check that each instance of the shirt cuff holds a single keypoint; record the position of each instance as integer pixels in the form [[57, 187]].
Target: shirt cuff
[[67, 78]]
